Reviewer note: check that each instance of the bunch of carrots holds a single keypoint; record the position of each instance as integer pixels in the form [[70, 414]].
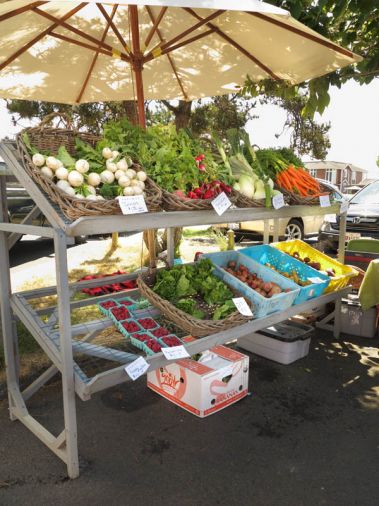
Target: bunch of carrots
[[298, 180]]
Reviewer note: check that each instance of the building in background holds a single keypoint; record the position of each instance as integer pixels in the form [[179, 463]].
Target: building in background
[[340, 174]]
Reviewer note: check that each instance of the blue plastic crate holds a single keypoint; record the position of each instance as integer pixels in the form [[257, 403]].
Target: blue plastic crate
[[281, 261], [262, 306]]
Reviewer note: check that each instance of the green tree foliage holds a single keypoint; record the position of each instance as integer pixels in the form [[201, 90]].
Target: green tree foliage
[[354, 24]]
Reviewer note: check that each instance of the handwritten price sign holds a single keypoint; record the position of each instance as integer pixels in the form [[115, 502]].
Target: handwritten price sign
[[137, 368]]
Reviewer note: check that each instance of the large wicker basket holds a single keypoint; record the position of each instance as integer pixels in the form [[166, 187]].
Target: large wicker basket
[[244, 201], [45, 138], [298, 200], [172, 202], [194, 326]]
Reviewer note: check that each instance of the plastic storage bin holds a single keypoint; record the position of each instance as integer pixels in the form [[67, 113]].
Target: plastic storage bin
[[262, 306], [283, 343], [343, 272], [279, 260], [356, 321]]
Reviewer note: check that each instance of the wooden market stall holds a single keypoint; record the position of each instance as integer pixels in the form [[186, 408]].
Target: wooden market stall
[[56, 335]]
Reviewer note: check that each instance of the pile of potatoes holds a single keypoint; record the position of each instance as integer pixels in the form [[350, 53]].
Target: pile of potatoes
[[266, 289]]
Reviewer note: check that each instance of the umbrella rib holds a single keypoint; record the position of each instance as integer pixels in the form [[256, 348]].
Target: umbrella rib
[[40, 36], [155, 26], [21, 10], [188, 31], [85, 45], [302, 33], [77, 31], [94, 60], [114, 28], [169, 57], [235, 44], [181, 44]]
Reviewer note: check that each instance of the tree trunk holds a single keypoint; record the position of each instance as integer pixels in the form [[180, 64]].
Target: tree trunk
[[131, 111], [182, 114]]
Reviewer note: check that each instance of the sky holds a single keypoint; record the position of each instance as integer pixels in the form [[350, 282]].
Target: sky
[[353, 113]]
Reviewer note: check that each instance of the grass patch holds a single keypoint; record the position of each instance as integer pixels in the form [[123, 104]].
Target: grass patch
[[190, 232]]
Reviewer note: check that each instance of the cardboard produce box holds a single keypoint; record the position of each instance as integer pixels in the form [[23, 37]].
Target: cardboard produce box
[[203, 387]]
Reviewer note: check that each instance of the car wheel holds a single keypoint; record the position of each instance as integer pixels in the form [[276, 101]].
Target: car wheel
[[294, 230]]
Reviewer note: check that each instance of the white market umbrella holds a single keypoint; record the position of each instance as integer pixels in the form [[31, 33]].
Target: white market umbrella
[[76, 52]]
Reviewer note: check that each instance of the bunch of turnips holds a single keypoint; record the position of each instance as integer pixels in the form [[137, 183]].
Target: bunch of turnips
[[116, 175]]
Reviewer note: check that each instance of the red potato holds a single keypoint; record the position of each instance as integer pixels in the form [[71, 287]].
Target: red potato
[[276, 290], [267, 287]]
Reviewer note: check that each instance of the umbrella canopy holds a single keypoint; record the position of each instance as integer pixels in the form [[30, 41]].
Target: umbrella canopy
[[76, 52]]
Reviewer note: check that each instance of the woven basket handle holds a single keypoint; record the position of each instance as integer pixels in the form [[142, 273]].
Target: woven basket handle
[[49, 118]]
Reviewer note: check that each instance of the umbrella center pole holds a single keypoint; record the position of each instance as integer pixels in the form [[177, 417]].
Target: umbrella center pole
[[137, 66]]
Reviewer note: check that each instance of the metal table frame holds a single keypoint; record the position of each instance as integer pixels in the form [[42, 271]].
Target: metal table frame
[[56, 336]]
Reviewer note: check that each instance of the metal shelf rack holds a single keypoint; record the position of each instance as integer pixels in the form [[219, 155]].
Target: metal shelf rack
[[59, 338]]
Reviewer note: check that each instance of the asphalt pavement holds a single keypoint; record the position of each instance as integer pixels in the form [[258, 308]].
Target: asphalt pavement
[[306, 435]]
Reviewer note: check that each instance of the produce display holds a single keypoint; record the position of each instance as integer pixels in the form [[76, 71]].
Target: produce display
[[171, 340], [120, 313], [195, 290], [291, 275], [148, 323], [108, 304], [298, 180], [107, 288], [315, 265], [141, 336], [180, 163], [266, 289], [130, 326], [242, 163], [95, 175], [153, 345], [176, 161], [160, 332]]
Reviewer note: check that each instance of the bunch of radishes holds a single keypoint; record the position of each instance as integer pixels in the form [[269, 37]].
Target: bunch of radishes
[[79, 182], [266, 289]]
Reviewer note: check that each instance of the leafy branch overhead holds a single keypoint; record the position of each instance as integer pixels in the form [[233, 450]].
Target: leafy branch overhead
[[352, 24]]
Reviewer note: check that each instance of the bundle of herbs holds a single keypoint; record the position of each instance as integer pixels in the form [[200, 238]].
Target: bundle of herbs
[[195, 290]]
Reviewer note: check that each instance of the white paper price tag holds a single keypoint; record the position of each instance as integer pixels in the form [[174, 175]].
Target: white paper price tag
[[175, 352], [278, 201], [242, 306], [315, 280], [137, 368], [324, 201], [221, 203], [344, 206], [133, 205]]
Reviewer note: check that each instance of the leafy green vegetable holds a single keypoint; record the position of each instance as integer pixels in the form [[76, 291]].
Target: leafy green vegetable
[[65, 157], [92, 155], [187, 286], [168, 156]]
